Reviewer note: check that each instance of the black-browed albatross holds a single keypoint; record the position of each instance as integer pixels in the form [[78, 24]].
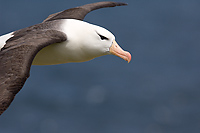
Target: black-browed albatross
[[61, 38]]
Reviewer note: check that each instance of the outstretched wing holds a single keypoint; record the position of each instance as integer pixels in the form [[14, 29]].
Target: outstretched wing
[[80, 12], [16, 58], [17, 55]]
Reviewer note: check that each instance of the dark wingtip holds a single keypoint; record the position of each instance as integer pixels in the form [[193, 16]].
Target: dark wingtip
[[121, 4]]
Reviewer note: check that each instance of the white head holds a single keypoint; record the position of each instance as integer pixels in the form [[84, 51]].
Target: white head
[[88, 40], [84, 42]]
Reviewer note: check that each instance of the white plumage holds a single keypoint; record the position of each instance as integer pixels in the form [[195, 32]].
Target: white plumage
[[83, 43]]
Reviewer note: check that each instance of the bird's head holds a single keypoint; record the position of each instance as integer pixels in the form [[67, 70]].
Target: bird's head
[[87, 41]]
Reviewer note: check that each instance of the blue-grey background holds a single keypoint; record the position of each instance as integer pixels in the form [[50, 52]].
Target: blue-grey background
[[157, 92]]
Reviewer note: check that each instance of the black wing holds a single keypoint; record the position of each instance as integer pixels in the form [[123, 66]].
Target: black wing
[[80, 12], [16, 58]]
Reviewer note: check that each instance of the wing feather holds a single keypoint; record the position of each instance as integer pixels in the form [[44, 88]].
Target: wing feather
[[80, 12], [16, 60]]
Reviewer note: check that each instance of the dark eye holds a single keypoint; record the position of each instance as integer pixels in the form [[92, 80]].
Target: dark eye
[[103, 37]]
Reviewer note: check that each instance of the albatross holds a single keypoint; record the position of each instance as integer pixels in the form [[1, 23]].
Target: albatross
[[62, 37]]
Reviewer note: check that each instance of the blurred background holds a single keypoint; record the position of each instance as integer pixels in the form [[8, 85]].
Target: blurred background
[[157, 92]]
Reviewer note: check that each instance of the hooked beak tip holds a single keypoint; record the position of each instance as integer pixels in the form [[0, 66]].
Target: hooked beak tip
[[128, 55]]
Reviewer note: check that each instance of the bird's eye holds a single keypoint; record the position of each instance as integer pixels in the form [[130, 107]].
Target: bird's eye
[[103, 37]]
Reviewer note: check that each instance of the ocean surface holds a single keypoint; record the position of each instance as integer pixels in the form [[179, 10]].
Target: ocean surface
[[157, 92]]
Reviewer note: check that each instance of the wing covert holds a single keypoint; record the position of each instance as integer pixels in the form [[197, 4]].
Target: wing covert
[[16, 59]]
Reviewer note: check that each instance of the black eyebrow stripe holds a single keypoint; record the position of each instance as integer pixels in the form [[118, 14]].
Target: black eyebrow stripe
[[102, 37]]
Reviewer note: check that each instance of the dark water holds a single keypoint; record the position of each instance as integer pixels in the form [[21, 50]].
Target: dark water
[[158, 92]]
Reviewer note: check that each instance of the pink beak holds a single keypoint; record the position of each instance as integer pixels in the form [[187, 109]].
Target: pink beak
[[115, 49]]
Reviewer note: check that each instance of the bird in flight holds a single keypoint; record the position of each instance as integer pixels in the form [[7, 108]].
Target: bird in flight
[[63, 37]]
